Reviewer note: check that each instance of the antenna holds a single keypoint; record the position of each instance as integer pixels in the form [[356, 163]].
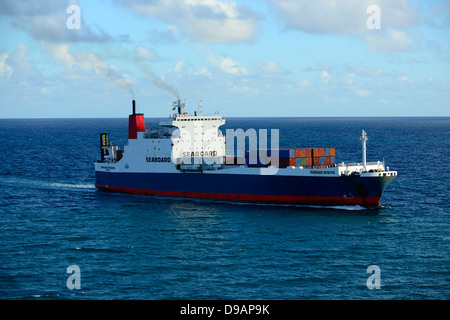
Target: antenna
[[200, 108], [364, 138]]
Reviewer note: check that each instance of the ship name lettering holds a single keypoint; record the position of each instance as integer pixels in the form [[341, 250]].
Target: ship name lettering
[[157, 159], [321, 172], [107, 168], [199, 154]]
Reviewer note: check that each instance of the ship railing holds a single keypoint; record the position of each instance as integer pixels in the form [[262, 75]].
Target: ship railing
[[359, 167], [359, 164], [156, 133]]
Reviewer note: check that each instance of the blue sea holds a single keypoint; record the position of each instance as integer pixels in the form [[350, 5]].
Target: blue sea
[[144, 247]]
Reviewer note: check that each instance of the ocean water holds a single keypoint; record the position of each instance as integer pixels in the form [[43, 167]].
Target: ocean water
[[144, 247]]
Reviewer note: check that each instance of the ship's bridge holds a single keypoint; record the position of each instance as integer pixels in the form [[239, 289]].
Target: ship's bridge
[[198, 135]]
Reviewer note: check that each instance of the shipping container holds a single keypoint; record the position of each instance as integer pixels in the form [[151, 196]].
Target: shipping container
[[291, 153], [305, 157], [315, 152], [303, 162], [303, 153], [321, 152], [332, 152], [292, 162], [318, 152], [315, 161]]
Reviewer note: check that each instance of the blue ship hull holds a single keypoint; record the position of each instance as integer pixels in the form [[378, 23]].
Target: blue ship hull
[[273, 189]]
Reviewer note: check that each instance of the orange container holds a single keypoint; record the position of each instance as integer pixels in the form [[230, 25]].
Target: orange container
[[327, 161], [318, 152], [292, 162], [303, 153], [309, 161], [332, 152], [316, 161], [315, 152], [321, 152]]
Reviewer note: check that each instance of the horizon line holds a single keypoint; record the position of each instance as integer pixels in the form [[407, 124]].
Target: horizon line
[[237, 117]]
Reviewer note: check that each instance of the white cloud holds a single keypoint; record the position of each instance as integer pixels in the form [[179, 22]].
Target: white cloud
[[46, 20], [344, 16], [270, 68], [349, 79], [87, 62], [226, 64], [62, 55], [363, 70], [204, 72], [302, 83], [348, 17], [5, 69], [320, 16], [362, 93], [178, 66], [168, 35], [45, 90], [389, 40], [19, 66], [143, 53], [210, 21], [83, 65]]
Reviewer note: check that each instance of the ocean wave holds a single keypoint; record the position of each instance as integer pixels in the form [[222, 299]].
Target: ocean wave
[[21, 181], [244, 203], [70, 186], [347, 208]]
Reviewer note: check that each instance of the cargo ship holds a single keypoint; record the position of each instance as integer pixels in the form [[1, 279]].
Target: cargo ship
[[185, 156]]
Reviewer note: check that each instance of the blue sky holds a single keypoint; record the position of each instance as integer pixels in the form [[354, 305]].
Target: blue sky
[[242, 58]]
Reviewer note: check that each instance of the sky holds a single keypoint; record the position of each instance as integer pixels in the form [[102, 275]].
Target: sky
[[243, 58]]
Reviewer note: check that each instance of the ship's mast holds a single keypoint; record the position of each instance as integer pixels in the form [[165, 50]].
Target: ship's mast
[[364, 138], [200, 108]]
